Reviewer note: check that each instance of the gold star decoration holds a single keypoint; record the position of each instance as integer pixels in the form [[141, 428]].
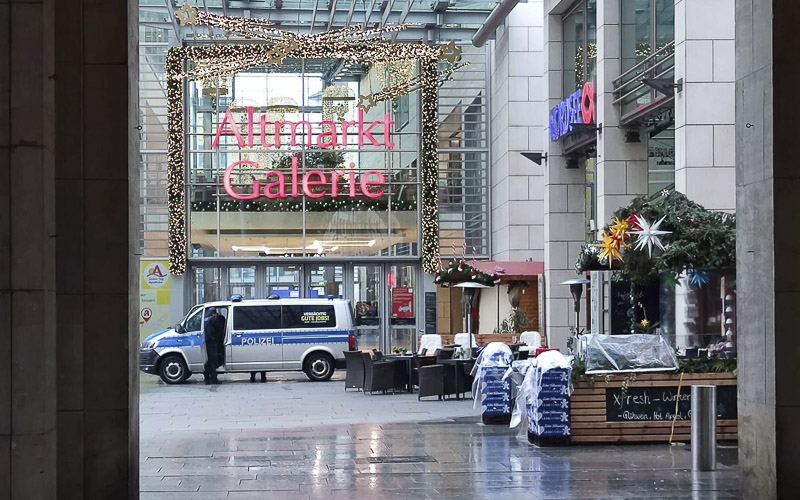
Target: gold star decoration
[[609, 249], [186, 14], [620, 231], [644, 323], [366, 102], [449, 52]]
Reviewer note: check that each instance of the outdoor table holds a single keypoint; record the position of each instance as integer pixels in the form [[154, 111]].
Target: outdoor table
[[459, 367], [408, 359], [450, 346]]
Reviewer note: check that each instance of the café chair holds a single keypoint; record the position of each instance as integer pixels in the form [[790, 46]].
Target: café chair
[[431, 381], [378, 375], [354, 364]]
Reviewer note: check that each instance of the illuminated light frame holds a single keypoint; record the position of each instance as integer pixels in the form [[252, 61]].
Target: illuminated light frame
[[233, 58]]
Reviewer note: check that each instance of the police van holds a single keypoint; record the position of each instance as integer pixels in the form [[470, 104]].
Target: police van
[[260, 335]]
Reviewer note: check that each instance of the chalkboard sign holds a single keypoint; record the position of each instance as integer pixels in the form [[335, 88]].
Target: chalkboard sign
[[430, 313], [653, 404]]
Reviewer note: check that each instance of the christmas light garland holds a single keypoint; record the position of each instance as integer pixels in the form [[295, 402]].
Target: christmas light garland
[[349, 44]]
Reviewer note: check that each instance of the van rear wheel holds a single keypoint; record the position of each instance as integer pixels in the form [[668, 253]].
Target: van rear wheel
[[173, 369], [319, 366]]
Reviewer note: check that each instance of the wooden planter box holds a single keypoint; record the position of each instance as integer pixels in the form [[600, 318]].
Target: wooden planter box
[[603, 414]]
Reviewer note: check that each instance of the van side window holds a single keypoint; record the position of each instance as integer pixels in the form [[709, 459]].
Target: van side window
[[256, 317], [309, 316], [195, 322]]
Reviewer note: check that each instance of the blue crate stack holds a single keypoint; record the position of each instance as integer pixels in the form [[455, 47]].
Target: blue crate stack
[[495, 392], [548, 407]]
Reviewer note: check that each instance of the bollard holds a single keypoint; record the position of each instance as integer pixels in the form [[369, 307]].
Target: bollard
[[704, 427]]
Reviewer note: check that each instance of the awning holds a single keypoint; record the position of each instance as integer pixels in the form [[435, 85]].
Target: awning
[[511, 271]]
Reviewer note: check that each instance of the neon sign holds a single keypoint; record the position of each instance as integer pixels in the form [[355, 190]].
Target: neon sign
[[313, 183], [578, 108]]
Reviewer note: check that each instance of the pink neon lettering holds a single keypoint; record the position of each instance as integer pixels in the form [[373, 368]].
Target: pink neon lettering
[[308, 183], [233, 129], [226, 181], [366, 183]]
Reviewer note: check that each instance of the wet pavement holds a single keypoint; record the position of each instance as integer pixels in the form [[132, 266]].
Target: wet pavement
[[290, 439]]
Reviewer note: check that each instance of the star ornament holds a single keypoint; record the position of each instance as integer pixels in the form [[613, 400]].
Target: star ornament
[[620, 231], [449, 52], [649, 235], [609, 249], [186, 14], [366, 102], [698, 278]]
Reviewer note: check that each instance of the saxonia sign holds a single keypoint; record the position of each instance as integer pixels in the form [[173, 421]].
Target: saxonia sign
[[314, 183], [578, 108], [435, 64]]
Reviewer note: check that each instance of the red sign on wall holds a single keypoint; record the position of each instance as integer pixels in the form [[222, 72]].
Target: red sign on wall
[[402, 302]]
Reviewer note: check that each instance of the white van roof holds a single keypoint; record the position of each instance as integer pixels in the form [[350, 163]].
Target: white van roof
[[273, 302]]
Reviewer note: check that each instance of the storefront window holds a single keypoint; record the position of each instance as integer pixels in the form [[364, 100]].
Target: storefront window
[[661, 161], [279, 165], [590, 200], [206, 284], [242, 281], [580, 46]]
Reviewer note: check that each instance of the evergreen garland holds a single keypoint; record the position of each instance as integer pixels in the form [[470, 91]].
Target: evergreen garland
[[460, 272], [700, 240]]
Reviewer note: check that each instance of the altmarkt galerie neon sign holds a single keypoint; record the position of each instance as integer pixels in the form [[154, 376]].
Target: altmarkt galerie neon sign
[[203, 62], [313, 183]]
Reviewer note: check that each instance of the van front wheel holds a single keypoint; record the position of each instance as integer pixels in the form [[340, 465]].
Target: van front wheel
[[173, 369], [319, 366]]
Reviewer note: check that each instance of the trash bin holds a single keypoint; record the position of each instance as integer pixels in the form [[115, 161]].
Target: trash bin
[[490, 386]]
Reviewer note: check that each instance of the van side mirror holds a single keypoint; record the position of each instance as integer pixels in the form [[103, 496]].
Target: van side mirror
[[179, 328]]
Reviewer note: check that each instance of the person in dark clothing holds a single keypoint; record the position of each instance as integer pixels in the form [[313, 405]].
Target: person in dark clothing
[[214, 339]]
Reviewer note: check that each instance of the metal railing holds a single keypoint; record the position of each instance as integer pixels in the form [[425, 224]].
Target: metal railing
[[657, 65]]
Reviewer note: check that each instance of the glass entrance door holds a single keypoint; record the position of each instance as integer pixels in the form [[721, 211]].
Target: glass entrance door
[[367, 288], [402, 306], [283, 281]]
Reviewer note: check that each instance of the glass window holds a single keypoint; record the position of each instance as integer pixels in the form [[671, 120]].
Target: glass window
[[205, 286], [324, 281], [242, 281], [661, 161], [283, 281], [195, 321], [257, 318], [308, 316], [580, 46], [291, 175], [590, 201]]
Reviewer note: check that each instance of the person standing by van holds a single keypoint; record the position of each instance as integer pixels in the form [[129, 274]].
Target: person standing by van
[[214, 339]]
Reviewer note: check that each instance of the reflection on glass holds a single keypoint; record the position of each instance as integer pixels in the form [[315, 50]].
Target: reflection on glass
[[242, 281], [283, 281], [366, 289], [661, 161], [324, 281], [205, 286]]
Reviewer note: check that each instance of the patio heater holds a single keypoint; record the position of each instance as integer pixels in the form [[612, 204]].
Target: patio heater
[[576, 289], [469, 296]]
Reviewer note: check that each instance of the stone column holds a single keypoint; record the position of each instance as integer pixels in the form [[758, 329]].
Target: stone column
[[704, 110], [768, 243], [564, 213], [621, 166], [519, 115]]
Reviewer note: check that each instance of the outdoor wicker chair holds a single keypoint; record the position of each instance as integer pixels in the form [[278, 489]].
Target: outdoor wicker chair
[[355, 370], [378, 375], [419, 362], [431, 381]]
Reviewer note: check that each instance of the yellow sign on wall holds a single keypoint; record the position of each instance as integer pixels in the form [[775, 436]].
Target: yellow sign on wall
[[154, 297]]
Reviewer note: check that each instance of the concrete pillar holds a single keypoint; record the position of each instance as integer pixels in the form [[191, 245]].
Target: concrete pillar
[[621, 166], [68, 383], [564, 212], [27, 253], [768, 242], [704, 110]]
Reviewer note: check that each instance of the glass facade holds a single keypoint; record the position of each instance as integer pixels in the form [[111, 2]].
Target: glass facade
[[648, 27], [297, 196], [661, 161], [580, 46]]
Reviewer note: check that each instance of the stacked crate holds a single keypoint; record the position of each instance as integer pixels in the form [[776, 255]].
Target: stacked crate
[[548, 408], [495, 395]]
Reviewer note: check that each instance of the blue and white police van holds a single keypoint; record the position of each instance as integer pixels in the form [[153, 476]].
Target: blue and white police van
[[260, 335]]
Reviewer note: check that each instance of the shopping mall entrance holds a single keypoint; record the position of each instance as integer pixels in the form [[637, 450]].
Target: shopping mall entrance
[[385, 297]]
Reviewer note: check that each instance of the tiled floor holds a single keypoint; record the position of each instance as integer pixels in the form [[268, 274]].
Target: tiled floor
[[290, 439]]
